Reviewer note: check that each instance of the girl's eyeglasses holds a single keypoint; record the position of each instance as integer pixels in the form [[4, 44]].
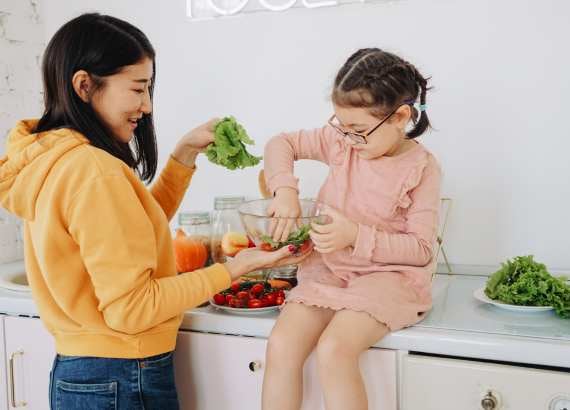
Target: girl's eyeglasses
[[356, 137]]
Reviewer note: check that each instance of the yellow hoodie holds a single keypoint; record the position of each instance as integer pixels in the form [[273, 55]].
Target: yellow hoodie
[[98, 248]]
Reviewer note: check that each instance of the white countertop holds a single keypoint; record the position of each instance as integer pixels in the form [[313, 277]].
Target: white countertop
[[458, 325]]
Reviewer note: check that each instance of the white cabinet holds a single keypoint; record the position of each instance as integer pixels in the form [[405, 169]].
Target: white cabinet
[[432, 383], [3, 373], [221, 371], [30, 351]]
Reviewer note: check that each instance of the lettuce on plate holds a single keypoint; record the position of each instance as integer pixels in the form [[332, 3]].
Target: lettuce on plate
[[523, 281], [228, 148]]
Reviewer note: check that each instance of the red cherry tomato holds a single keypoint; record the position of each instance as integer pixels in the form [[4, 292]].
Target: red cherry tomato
[[257, 289], [243, 295], [219, 299], [238, 303], [270, 298], [279, 300], [254, 304], [228, 298], [280, 293], [235, 287]]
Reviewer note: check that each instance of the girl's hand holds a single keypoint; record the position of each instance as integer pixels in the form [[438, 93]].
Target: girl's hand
[[339, 233], [252, 259], [286, 206], [194, 142]]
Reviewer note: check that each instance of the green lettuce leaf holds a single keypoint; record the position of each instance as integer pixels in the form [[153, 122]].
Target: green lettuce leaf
[[228, 148]]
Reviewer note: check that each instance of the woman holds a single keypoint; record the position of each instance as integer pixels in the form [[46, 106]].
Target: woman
[[98, 246]]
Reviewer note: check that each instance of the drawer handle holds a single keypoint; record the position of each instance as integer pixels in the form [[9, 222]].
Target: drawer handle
[[13, 401], [255, 365], [489, 402]]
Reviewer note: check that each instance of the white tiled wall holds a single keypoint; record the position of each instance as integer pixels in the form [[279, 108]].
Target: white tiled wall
[[21, 46]]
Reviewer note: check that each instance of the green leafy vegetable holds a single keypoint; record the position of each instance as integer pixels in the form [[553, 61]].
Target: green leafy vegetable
[[228, 149], [523, 281], [296, 238]]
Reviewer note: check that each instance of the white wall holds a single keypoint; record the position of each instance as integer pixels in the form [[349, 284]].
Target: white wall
[[500, 72], [21, 45]]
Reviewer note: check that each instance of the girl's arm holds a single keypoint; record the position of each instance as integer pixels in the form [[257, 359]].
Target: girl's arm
[[414, 246], [282, 150]]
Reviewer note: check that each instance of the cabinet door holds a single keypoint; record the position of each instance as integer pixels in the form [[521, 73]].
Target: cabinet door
[[433, 383], [215, 372], [3, 369], [378, 367], [30, 351], [219, 371]]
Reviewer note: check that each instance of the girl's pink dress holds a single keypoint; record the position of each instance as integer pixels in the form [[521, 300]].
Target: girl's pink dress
[[395, 202]]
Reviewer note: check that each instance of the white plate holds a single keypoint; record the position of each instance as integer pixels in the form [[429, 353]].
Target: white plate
[[244, 311], [479, 294]]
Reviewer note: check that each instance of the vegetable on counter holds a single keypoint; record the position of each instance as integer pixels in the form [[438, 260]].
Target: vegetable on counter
[[523, 281], [228, 149], [190, 253]]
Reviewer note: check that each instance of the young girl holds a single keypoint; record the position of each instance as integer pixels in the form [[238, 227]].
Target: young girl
[[98, 247], [372, 267]]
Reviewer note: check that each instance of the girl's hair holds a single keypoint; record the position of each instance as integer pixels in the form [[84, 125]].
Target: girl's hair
[[381, 81], [102, 46]]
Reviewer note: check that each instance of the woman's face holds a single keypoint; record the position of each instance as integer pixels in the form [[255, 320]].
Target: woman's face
[[124, 98], [384, 140]]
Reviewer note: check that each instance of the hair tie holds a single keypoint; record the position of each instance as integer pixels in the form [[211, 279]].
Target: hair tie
[[422, 107]]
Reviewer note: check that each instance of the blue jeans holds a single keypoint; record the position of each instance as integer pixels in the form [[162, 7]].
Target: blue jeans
[[78, 382]]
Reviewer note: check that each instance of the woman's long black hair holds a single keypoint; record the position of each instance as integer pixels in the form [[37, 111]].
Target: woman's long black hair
[[102, 46]]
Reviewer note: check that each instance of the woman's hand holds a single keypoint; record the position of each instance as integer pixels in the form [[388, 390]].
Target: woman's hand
[[252, 259], [338, 234], [286, 206], [194, 142]]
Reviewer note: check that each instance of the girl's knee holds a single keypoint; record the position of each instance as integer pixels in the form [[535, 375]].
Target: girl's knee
[[332, 349]]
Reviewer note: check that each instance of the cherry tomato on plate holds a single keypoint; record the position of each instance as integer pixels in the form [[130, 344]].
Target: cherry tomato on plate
[[257, 288], [219, 299], [254, 304]]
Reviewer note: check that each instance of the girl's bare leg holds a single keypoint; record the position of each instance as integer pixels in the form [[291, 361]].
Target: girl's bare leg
[[294, 336], [339, 348]]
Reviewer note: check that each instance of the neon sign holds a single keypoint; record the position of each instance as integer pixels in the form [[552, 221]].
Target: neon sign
[[208, 9]]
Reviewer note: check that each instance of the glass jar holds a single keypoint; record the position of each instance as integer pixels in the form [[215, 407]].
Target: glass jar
[[225, 219], [197, 225]]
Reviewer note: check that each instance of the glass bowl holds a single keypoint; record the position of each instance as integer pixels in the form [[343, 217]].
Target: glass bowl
[[259, 226]]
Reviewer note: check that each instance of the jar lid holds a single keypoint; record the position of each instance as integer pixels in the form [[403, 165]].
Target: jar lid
[[228, 202], [193, 218]]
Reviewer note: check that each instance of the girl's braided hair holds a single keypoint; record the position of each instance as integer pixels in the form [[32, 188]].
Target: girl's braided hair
[[381, 81]]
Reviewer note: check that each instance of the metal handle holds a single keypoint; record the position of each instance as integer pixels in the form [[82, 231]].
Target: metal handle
[[13, 401], [255, 365], [489, 402]]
